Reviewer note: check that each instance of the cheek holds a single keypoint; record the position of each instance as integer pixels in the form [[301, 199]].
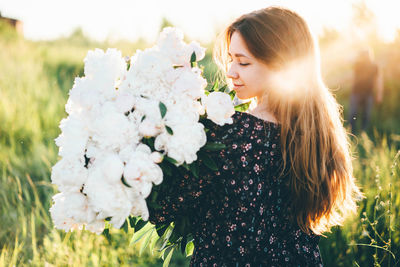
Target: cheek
[[262, 80], [256, 82], [252, 87]]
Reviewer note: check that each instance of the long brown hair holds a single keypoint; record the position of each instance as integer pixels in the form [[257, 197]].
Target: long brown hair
[[315, 145]]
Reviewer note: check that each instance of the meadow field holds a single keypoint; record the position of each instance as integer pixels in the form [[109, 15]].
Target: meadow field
[[35, 78]]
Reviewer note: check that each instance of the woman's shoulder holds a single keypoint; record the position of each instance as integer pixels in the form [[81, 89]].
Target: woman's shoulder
[[247, 125], [246, 117], [245, 128]]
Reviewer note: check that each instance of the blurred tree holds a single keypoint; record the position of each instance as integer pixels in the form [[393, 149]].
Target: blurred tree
[[78, 37]]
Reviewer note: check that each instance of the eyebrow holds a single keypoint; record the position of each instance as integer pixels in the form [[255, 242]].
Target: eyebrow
[[238, 55]]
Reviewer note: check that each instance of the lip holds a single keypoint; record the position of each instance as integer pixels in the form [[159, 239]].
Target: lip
[[236, 86]]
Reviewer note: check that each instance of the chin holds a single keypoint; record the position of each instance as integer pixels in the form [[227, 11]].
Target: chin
[[243, 97]]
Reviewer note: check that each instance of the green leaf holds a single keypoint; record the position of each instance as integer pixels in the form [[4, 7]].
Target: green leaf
[[149, 141], [153, 242], [161, 229], [169, 130], [195, 169], [232, 94], [189, 248], [153, 195], [163, 241], [154, 205], [106, 233], [175, 235], [186, 166], [141, 233], [193, 57], [132, 221], [124, 182], [183, 244], [146, 241], [224, 89], [165, 168], [214, 146], [125, 226], [208, 161], [168, 258], [215, 87], [163, 109], [242, 107], [140, 224], [173, 161], [193, 62]]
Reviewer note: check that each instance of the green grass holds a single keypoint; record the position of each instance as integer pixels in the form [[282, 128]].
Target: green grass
[[34, 81]]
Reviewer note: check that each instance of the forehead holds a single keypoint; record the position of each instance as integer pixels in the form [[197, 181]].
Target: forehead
[[237, 45]]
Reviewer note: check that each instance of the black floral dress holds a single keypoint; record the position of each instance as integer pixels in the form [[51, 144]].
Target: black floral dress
[[240, 213]]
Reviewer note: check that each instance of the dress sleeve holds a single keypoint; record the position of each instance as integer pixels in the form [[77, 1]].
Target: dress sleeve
[[181, 193]]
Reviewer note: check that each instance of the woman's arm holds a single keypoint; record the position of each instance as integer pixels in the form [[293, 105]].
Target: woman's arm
[[180, 194]]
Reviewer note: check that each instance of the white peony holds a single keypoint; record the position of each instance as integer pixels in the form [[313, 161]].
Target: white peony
[[141, 171], [69, 174], [172, 46], [73, 138], [71, 211], [197, 49], [113, 168], [219, 107], [126, 152], [105, 198], [147, 114], [146, 66], [139, 207], [182, 110], [97, 226], [107, 67], [149, 128], [156, 157], [112, 130], [82, 97], [184, 143], [190, 83], [125, 101]]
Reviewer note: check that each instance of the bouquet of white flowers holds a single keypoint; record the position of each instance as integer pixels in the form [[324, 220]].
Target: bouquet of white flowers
[[124, 118]]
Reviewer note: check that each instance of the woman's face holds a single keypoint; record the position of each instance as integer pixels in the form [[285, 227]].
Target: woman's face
[[250, 76]]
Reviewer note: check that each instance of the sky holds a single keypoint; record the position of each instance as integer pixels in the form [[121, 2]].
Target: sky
[[200, 20]]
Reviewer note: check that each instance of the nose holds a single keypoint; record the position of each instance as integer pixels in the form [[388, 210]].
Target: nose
[[232, 74]]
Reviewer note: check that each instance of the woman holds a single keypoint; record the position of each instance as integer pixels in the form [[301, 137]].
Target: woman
[[285, 176]]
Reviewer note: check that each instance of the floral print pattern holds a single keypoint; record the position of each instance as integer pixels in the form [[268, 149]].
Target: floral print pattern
[[240, 213]]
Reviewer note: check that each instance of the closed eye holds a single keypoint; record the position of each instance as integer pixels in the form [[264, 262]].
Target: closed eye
[[244, 64]]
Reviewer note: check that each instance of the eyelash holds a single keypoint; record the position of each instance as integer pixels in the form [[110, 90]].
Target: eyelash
[[230, 60]]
